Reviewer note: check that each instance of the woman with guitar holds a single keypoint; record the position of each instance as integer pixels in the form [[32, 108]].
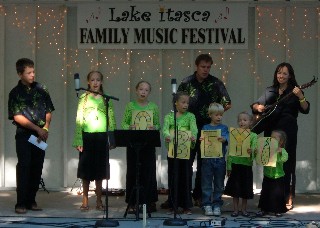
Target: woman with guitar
[[277, 109]]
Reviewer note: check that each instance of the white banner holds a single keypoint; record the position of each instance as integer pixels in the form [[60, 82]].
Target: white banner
[[194, 25]]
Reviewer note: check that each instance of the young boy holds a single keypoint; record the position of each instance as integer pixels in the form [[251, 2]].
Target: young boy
[[30, 108], [214, 169]]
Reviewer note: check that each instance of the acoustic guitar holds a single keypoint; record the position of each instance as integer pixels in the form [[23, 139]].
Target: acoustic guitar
[[260, 119]]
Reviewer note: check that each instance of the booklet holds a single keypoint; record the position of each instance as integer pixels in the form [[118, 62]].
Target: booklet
[[34, 140]]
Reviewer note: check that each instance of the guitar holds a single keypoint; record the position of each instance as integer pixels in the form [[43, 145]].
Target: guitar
[[260, 119]]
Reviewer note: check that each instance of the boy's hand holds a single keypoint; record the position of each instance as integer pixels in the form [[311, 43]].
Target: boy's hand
[[221, 139], [79, 148], [201, 138]]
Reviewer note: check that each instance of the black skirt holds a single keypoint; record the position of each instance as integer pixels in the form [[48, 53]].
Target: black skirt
[[240, 182], [93, 158], [272, 198]]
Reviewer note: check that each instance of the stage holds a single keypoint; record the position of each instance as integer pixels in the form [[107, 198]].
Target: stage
[[61, 209]]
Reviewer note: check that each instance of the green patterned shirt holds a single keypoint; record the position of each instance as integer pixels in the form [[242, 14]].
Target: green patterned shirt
[[186, 122], [91, 117], [276, 172], [202, 95], [32, 102]]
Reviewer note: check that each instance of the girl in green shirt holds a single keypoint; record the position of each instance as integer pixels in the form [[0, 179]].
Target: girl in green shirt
[[91, 139], [147, 114], [272, 196]]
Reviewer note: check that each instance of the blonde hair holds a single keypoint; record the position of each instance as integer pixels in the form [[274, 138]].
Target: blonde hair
[[215, 108], [246, 113], [283, 137]]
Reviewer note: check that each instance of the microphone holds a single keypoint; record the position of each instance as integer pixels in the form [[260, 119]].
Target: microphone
[[174, 85], [77, 83]]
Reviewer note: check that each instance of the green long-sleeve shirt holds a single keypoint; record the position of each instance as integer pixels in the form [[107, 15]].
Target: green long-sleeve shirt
[[248, 161], [134, 106], [276, 172], [91, 117]]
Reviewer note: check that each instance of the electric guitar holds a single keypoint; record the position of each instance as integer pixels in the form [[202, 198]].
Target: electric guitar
[[260, 119]]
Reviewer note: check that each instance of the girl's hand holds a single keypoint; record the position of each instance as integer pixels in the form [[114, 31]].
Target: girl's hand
[[228, 173], [192, 139], [132, 127], [151, 127], [167, 139], [201, 138], [79, 148], [221, 139]]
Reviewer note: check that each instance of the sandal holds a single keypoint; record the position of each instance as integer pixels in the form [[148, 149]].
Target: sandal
[[245, 214], [235, 214], [260, 213], [84, 208], [187, 211], [100, 207], [289, 207]]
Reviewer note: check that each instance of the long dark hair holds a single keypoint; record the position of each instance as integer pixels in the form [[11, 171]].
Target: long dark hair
[[292, 80]]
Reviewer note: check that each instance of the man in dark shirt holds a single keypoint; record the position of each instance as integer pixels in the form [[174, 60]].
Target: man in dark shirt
[[203, 90], [30, 108]]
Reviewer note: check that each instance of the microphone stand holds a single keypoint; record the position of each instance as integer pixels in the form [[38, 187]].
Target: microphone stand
[[175, 221], [106, 222]]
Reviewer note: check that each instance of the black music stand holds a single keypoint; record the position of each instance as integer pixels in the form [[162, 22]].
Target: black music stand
[[136, 139]]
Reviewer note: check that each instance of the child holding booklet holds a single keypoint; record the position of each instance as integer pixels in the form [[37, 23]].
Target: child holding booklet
[[214, 169], [186, 121], [272, 197], [147, 158], [239, 170]]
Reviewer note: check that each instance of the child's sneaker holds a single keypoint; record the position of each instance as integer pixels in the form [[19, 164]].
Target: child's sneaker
[[208, 210], [216, 211]]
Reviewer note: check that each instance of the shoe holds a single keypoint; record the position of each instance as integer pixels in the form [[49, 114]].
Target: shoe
[[208, 210], [187, 211], [165, 205], [197, 203], [235, 214], [289, 207], [132, 210], [245, 214], [152, 207], [20, 210], [100, 207], [170, 211], [84, 208], [216, 211], [260, 213], [277, 214], [34, 207]]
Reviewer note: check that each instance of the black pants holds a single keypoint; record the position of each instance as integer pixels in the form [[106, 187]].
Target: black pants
[[197, 191], [28, 169]]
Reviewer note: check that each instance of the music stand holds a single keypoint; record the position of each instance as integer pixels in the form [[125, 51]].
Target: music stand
[[137, 139]]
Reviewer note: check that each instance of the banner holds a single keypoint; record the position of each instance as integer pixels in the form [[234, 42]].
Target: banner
[[161, 25]]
